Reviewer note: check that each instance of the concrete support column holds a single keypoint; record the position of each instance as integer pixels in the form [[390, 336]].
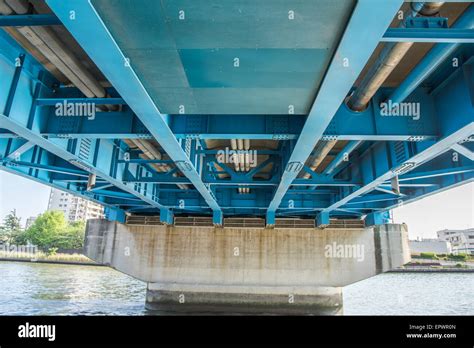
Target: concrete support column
[[195, 298], [247, 270]]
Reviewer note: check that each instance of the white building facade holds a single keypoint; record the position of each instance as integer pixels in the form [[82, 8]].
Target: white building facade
[[74, 208], [462, 241], [430, 246]]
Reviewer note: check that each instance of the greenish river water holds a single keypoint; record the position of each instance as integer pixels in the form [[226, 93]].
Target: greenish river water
[[48, 289]]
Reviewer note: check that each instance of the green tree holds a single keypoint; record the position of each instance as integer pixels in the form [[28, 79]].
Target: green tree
[[73, 236], [11, 227], [51, 230], [46, 230]]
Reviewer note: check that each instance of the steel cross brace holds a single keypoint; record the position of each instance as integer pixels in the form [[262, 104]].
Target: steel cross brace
[[90, 31], [359, 40]]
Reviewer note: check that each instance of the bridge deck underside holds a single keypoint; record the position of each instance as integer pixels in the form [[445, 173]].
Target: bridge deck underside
[[190, 84]]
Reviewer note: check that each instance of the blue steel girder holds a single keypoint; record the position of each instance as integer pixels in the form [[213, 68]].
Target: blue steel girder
[[434, 176], [429, 35], [257, 199], [27, 121], [346, 124], [43, 167], [460, 172], [28, 20], [455, 110], [432, 60], [102, 164], [92, 34], [430, 29], [362, 35], [211, 174], [37, 144]]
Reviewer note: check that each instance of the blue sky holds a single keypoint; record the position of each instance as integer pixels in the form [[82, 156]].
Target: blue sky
[[450, 209]]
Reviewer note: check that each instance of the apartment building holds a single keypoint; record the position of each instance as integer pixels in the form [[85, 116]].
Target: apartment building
[[74, 208], [462, 241]]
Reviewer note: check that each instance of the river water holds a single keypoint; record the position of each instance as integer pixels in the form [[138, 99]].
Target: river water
[[46, 289]]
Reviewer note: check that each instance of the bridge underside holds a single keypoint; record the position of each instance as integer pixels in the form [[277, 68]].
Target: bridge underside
[[235, 113]]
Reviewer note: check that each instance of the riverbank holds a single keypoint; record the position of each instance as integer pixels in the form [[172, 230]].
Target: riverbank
[[41, 257], [431, 270], [418, 266], [75, 263], [431, 266]]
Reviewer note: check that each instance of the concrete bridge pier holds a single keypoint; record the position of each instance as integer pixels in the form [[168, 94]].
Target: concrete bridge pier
[[244, 299], [246, 270]]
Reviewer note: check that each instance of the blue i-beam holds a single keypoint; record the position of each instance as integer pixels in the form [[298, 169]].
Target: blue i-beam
[[90, 31], [364, 31]]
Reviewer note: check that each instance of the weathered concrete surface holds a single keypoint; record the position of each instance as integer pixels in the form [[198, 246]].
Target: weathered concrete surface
[[244, 299], [227, 266]]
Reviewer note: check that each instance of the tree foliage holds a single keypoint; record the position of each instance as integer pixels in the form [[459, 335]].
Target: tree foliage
[[51, 230], [11, 228]]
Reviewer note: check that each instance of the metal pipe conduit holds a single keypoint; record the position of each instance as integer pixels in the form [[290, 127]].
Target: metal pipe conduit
[[19, 6], [4, 8], [432, 60], [150, 152], [241, 160], [46, 41], [389, 58], [321, 149]]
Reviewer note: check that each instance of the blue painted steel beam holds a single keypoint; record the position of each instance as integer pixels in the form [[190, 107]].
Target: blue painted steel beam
[[16, 154], [116, 194], [361, 37], [432, 60], [95, 101], [92, 34], [157, 180], [166, 216], [325, 181], [115, 215], [36, 160], [427, 193], [455, 173], [411, 185], [60, 150], [389, 191], [377, 218], [14, 84], [463, 151], [48, 168], [10, 51], [46, 180], [456, 121], [431, 152], [433, 35], [269, 127], [417, 175], [346, 125], [322, 220], [341, 157], [27, 121], [29, 20]]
